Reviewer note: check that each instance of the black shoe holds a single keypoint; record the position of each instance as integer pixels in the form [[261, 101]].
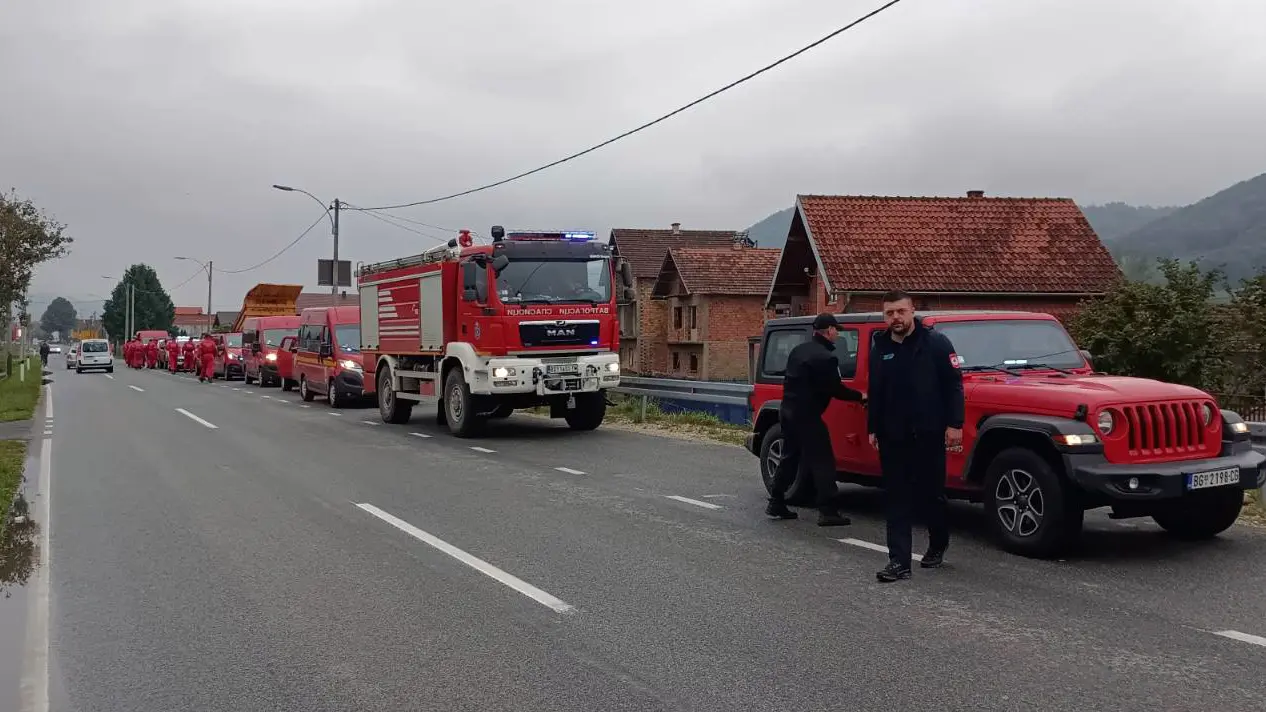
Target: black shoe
[[893, 572], [833, 519], [778, 510], [933, 559]]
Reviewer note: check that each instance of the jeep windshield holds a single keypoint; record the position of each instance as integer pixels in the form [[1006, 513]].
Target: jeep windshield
[[1011, 344], [552, 281]]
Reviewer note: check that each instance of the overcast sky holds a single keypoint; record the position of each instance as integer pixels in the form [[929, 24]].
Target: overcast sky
[[154, 128]]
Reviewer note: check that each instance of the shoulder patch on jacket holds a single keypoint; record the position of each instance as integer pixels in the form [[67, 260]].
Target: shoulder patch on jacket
[[955, 361]]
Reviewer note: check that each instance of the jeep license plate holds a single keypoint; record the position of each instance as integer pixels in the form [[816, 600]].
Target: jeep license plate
[[1216, 478], [561, 368]]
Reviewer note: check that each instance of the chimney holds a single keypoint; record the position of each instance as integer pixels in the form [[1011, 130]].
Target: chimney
[[975, 194], [676, 228]]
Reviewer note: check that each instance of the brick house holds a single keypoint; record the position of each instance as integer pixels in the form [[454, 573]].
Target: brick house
[[1030, 254], [308, 300], [714, 302], [190, 320], [643, 322]]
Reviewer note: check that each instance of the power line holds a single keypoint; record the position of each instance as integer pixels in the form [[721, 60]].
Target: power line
[[389, 221], [279, 252], [648, 124]]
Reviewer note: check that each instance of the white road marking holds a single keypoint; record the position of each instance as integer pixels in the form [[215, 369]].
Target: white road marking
[[473, 562], [370, 422], [48, 432], [1242, 637], [476, 448], [110, 376], [569, 471], [695, 502], [420, 435], [34, 683], [304, 405], [711, 496], [338, 414], [874, 547], [138, 390], [266, 397], [195, 418], [48, 402]]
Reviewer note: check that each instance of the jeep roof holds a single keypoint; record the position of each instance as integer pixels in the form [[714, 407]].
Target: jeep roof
[[872, 317]]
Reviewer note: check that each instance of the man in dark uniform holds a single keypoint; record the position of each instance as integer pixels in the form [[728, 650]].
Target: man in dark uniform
[[812, 379], [915, 414]]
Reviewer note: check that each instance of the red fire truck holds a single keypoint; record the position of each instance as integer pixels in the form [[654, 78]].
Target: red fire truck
[[480, 330]]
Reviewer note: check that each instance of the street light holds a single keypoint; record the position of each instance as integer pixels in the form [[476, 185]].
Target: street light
[[335, 206], [207, 267]]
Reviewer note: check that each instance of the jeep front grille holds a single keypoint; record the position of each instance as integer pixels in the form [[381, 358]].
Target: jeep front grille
[[1158, 428]]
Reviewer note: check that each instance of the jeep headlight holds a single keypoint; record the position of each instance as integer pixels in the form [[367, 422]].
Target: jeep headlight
[[613, 367], [270, 357], [1206, 413], [1106, 422], [1239, 427], [504, 372]]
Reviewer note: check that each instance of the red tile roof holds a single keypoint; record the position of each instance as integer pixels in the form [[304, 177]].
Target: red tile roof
[[308, 300], [973, 244], [188, 311], [645, 249], [189, 320], [748, 271]]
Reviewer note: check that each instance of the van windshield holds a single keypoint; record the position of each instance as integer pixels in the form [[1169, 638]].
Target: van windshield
[[273, 337], [232, 339], [348, 336]]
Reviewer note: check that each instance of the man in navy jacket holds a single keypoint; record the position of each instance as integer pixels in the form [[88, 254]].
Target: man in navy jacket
[[915, 414]]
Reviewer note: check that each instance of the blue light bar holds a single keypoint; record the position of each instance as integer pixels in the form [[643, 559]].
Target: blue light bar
[[562, 236]]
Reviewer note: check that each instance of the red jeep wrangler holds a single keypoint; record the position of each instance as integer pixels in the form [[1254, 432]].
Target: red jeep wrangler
[[1044, 438]]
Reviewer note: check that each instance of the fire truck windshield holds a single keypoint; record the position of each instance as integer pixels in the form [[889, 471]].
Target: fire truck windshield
[[552, 281]]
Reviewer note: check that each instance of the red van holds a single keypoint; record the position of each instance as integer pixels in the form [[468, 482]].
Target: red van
[[327, 358], [228, 357], [261, 339], [286, 363]]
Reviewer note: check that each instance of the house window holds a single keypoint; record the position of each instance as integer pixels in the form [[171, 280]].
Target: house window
[[676, 317], [694, 361], [693, 318], [676, 361]]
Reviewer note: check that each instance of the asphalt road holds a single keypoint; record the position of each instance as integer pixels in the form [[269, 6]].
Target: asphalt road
[[223, 547]]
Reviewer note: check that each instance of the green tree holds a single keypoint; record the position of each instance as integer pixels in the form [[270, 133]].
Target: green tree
[[1166, 331], [60, 317], [28, 237], [1246, 336], [151, 306]]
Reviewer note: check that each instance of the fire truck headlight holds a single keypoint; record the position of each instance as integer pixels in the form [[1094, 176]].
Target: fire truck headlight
[[504, 372], [613, 367]]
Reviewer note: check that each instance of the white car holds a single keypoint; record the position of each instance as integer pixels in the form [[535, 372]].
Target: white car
[[71, 355], [94, 354], [54, 349]]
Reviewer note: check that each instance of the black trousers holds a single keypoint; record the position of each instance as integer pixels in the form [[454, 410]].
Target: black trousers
[[806, 447], [914, 482]]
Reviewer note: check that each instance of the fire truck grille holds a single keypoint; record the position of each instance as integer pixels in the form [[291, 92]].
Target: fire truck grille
[[564, 333]]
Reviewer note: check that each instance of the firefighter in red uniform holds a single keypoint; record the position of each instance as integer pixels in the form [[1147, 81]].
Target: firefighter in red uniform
[[127, 352], [191, 348], [134, 347], [173, 355], [151, 353], [206, 355]]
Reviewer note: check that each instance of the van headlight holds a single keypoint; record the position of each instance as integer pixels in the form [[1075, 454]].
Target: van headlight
[[1206, 412], [349, 364], [1106, 422]]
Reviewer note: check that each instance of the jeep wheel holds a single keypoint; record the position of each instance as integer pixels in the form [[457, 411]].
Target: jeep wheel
[[801, 492], [459, 407], [590, 409], [1202, 515], [392, 409], [304, 392], [1028, 507]]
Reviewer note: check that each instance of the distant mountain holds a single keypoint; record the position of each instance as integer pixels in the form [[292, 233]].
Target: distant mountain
[[1226, 230], [772, 231], [1113, 220]]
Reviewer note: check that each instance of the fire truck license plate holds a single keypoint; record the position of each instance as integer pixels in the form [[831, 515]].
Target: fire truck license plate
[[561, 368], [1216, 478]]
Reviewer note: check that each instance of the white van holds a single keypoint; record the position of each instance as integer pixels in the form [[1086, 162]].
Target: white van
[[94, 354]]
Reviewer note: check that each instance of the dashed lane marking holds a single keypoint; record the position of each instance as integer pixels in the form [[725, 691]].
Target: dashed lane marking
[[1242, 637], [476, 448], [472, 561], [304, 405], [336, 414], [110, 376], [196, 419], [874, 547], [569, 471], [695, 502], [370, 422], [137, 389], [420, 435]]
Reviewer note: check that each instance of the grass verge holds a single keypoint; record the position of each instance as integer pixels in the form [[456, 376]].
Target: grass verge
[[17, 397], [1254, 512], [12, 457], [628, 414]]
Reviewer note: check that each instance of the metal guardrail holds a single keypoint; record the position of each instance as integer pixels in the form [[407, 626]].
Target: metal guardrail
[[710, 392]]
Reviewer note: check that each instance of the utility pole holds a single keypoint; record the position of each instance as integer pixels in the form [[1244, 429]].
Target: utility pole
[[210, 314], [334, 280]]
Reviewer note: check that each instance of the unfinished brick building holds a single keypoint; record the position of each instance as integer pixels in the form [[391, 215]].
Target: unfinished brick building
[[715, 302], [1032, 254]]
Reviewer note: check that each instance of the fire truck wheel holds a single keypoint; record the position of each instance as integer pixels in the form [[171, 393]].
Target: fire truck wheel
[[1028, 505], [459, 407], [590, 409], [393, 409], [801, 492], [304, 392], [1202, 515]]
